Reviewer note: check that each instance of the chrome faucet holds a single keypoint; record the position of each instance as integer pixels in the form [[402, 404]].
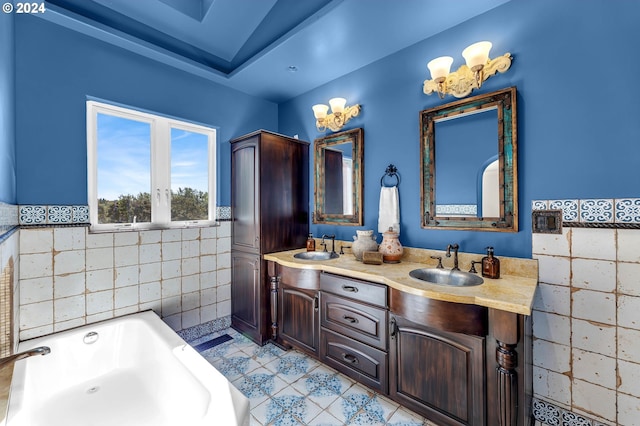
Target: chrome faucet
[[455, 248], [41, 350], [333, 242]]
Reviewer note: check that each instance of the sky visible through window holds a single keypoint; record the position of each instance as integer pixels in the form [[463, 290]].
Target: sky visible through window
[[124, 158]]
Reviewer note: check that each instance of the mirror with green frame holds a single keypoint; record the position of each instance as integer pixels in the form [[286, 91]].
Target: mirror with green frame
[[338, 181], [468, 158]]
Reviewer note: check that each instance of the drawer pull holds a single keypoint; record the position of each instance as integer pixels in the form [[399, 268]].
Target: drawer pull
[[349, 358], [393, 327], [350, 288], [352, 320]]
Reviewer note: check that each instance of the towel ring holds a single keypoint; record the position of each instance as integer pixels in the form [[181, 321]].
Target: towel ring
[[391, 171]]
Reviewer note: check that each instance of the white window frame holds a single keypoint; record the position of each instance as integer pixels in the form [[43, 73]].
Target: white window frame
[[160, 190]]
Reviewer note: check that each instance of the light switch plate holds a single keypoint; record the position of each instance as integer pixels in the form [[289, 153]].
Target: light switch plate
[[546, 221]]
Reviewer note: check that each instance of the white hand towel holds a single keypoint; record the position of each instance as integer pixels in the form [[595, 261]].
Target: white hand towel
[[389, 211]]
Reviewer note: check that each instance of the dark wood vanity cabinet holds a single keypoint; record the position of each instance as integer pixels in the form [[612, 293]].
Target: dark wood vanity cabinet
[[456, 364], [269, 213]]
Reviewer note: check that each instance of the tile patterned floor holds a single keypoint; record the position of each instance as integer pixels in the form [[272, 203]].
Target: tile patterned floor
[[289, 388]]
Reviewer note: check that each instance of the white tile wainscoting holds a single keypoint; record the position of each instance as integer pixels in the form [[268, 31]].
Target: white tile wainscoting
[[70, 277], [586, 320]]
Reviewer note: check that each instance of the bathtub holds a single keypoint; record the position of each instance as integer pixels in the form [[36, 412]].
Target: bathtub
[[132, 370]]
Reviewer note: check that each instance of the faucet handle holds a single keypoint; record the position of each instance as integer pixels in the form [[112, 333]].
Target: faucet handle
[[439, 261], [473, 266]]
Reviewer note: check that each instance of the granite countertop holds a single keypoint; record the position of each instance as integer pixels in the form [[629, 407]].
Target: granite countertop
[[512, 292]]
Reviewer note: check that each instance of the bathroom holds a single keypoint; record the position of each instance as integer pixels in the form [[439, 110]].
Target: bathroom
[[576, 150]]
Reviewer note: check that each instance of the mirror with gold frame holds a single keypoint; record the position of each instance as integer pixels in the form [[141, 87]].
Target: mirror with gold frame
[[338, 182], [468, 153]]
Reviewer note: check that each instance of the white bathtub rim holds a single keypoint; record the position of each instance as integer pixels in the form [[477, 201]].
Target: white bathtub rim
[[200, 368]]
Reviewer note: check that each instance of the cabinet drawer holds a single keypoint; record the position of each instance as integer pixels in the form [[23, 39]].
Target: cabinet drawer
[[356, 320], [357, 360], [374, 294]]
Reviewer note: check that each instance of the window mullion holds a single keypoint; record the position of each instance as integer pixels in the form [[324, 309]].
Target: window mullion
[[161, 149]]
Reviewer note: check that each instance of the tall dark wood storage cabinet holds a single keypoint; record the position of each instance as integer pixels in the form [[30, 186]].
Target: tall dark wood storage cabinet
[[269, 213]]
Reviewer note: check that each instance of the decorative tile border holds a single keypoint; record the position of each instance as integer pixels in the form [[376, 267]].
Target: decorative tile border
[[197, 331], [596, 213], [65, 214], [549, 414], [53, 215]]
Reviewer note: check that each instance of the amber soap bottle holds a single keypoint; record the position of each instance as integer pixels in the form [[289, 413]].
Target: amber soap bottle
[[490, 265], [311, 243]]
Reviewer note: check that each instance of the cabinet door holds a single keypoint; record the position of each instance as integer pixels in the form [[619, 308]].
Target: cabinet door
[[438, 374], [246, 295], [298, 318], [245, 195]]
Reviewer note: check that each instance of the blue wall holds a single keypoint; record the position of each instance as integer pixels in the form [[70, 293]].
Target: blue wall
[[58, 68], [578, 126], [7, 111]]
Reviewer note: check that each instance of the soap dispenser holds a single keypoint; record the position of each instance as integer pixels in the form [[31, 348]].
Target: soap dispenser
[[311, 243], [490, 265]]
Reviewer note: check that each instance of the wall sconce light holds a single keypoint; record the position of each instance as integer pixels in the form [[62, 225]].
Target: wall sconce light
[[339, 116], [460, 83]]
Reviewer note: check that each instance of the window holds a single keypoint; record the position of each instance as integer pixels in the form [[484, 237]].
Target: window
[[148, 171]]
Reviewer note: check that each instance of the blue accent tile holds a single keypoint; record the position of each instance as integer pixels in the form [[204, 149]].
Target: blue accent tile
[[80, 214], [223, 213], [570, 209], [546, 413], [572, 419], [59, 215], [627, 210], [596, 211], [539, 205], [33, 215]]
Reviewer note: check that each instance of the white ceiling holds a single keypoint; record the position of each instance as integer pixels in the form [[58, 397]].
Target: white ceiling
[[250, 45]]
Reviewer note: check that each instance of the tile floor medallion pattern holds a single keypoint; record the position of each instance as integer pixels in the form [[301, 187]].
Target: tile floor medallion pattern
[[288, 388]]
